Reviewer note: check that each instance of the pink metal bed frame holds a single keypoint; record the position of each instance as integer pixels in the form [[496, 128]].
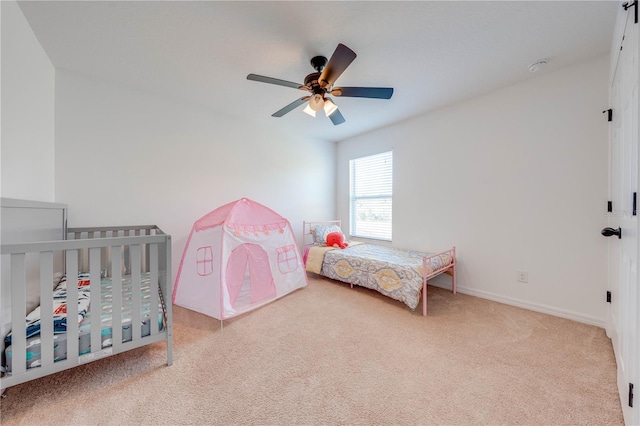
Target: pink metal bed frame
[[449, 269]]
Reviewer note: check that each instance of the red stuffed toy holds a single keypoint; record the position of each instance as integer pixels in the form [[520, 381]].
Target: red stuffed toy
[[336, 239]]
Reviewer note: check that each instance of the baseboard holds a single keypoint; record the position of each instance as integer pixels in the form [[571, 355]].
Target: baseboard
[[550, 310]]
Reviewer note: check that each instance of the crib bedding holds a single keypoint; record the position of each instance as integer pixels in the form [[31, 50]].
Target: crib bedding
[[59, 308], [33, 356], [394, 272]]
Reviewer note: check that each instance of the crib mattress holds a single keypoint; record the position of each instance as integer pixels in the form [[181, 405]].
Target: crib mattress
[[84, 333]]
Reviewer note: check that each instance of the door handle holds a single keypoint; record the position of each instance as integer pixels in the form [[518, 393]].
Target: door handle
[[608, 232]]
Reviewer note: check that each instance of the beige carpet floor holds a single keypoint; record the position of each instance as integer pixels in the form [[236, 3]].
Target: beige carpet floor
[[327, 354]]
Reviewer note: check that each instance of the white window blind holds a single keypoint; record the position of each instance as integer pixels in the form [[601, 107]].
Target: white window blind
[[371, 196]]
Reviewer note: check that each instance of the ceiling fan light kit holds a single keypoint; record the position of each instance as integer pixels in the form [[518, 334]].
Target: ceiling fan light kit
[[309, 111], [316, 102], [329, 107], [321, 82]]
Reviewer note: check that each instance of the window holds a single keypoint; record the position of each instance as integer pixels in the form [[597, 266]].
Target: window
[[204, 261], [287, 259], [371, 196]]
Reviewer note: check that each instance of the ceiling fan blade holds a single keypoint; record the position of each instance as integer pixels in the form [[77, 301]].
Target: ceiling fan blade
[[263, 79], [337, 118], [364, 92], [293, 105], [340, 60]]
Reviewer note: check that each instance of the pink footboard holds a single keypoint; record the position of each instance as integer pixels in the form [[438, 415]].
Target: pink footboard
[[449, 268]]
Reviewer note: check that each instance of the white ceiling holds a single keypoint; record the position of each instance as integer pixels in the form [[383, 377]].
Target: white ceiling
[[432, 53]]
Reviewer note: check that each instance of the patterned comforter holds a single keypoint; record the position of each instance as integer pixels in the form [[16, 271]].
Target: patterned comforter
[[393, 272]]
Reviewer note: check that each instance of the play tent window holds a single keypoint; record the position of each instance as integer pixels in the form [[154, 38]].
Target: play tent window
[[204, 261], [287, 259]]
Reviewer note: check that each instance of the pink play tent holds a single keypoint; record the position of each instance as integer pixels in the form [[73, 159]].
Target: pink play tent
[[238, 257]]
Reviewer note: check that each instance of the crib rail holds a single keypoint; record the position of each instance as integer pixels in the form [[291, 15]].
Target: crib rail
[[114, 232], [102, 252]]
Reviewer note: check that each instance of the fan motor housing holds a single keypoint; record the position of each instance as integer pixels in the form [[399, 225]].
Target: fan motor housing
[[311, 81]]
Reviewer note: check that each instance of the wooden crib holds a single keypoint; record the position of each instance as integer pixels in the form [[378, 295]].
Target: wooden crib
[[37, 250]]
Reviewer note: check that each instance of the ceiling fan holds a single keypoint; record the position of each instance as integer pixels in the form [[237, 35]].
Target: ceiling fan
[[320, 83]]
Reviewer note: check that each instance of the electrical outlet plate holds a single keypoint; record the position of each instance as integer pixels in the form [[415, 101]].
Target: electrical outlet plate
[[523, 276]]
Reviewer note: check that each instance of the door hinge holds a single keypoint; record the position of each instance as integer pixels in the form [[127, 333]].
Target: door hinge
[[630, 394], [609, 206], [608, 297], [635, 204], [609, 114], [634, 3]]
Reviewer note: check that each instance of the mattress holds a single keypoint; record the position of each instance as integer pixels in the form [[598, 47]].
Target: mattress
[[85, 317], [394, 272]]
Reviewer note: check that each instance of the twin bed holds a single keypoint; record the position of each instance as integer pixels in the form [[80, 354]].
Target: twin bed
[[399, 274], [113, 282]]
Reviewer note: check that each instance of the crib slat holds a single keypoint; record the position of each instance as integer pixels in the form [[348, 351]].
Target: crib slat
[[135, 291], [153, 288], [95, 298], [105, 254], [116, 298], [145, 251], [18, 312], [126, 256], [166, 290], [72, 305], [46, 308]]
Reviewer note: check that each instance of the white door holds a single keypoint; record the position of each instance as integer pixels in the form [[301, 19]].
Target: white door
[[623, 314]]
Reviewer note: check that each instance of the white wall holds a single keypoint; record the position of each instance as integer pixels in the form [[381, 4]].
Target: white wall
[[28, 105], [130, 157], [516, 180]]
